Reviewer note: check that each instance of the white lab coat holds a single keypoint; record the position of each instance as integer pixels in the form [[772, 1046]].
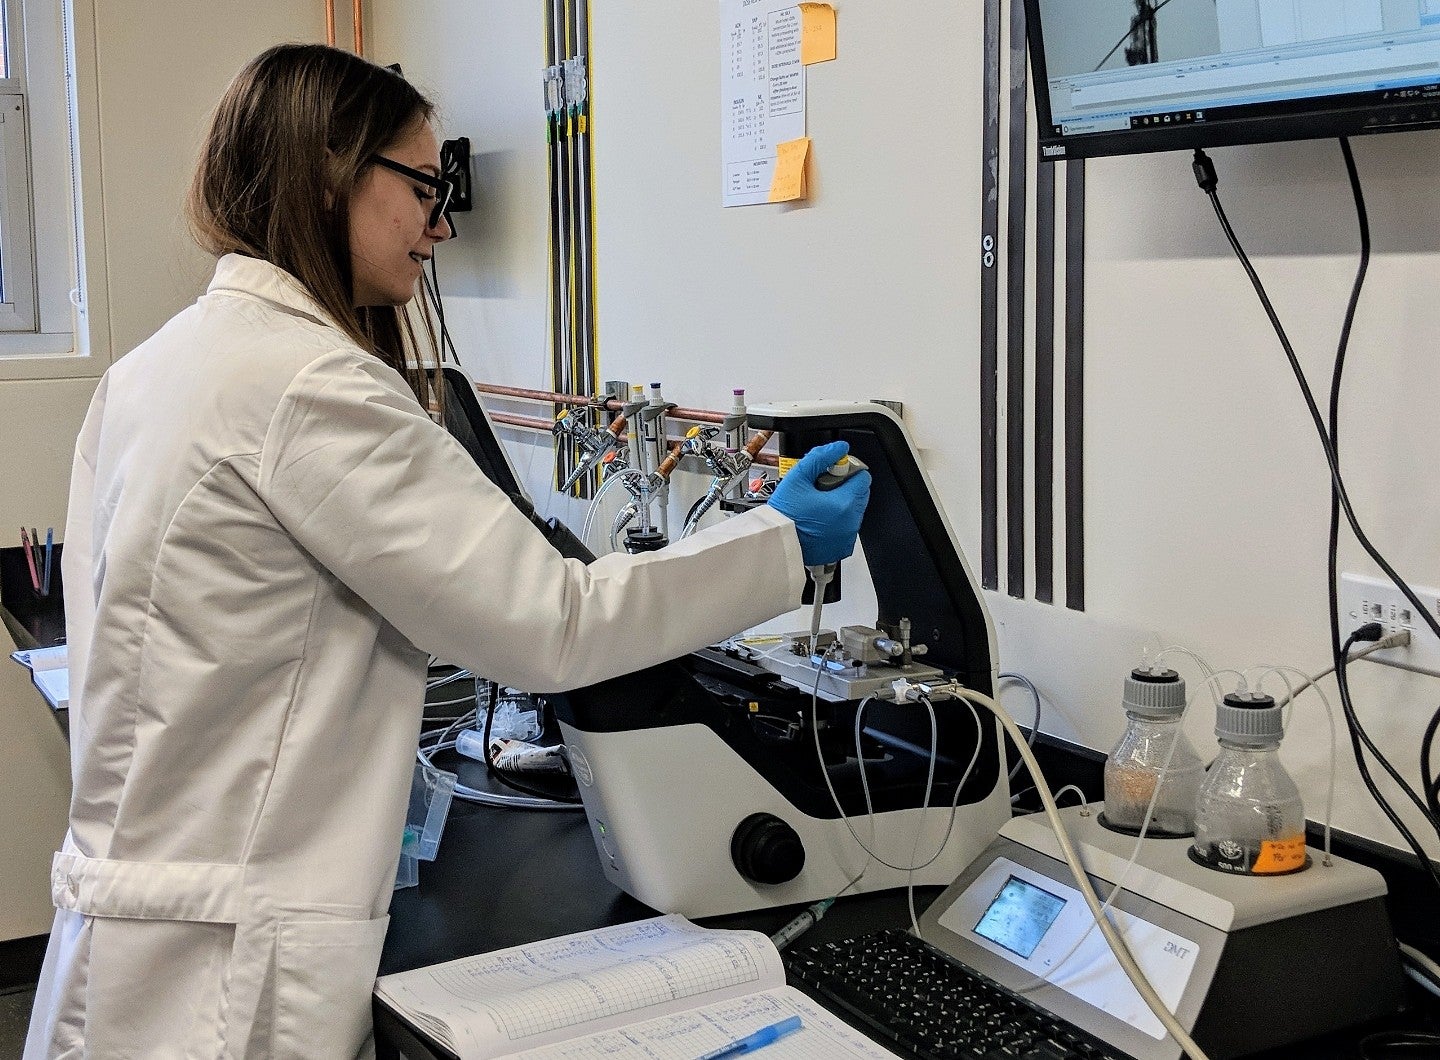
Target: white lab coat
[[267, 534]]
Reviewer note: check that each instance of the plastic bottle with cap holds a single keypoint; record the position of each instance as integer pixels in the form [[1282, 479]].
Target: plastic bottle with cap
[[1154, 702], [1249, 818]]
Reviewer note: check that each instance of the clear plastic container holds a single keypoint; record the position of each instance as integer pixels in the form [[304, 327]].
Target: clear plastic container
[[1154, 702], [517, 717], [431, 791], [1249, 818]]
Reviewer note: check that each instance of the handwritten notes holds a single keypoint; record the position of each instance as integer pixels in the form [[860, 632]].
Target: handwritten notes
[[817, 33], [788, 183]]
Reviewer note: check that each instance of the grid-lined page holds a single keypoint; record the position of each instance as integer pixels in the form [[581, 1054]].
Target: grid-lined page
[[495, 1004], [687, 1035]]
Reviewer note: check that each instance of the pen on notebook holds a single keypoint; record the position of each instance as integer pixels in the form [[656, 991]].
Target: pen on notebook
[[761, 1038], [49, 554], [29, 559]]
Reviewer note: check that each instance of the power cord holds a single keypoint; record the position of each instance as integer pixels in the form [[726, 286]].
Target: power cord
[[1416, 1044], [1399, 639], [1207, 180], [1420, 968], [1358, 736], [1427, 770]]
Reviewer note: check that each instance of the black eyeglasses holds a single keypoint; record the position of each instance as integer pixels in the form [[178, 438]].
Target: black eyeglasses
[[443, 188]]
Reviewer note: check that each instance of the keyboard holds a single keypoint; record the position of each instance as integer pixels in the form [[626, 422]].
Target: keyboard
[[919, 1002]]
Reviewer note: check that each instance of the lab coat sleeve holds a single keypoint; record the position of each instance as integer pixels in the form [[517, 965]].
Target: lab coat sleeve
[[77, 567], [391, 505]]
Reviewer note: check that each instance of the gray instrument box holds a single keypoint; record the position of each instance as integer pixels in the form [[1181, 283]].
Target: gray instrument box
[[1245, 962]]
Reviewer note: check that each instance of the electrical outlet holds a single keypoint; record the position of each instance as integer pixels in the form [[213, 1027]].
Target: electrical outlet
[[1364, 599]]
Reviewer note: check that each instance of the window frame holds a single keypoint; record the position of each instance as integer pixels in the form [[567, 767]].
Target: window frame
[[66, 256]]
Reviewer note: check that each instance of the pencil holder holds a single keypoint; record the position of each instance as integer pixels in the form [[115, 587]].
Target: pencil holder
[[40, 616]]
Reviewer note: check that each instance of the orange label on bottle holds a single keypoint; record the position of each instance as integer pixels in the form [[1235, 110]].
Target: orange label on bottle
[[1280, 855]]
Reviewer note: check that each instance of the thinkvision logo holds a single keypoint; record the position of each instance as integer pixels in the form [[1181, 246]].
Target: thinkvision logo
[[1057, 151]]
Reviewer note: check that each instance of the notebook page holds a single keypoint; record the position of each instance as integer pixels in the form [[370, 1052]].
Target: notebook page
[[687, 1035], [37, 659], [54, 685], [495, 1004]]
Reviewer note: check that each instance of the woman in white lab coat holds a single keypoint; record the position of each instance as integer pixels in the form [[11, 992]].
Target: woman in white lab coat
[[267, 534]]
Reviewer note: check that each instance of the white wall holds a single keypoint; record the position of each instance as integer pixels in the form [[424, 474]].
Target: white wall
[[1206, 491], [159, 67]]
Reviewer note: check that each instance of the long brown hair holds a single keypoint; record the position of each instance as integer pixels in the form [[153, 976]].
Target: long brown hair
[[286, 147]]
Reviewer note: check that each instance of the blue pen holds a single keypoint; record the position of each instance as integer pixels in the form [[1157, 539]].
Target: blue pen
[[49, 549], [761, 1038]]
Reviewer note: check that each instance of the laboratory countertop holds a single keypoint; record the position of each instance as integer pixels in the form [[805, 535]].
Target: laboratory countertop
[[508, 877]]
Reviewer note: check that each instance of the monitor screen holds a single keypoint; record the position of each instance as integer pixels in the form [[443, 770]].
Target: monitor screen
[[1124, 76], [1019, 916]]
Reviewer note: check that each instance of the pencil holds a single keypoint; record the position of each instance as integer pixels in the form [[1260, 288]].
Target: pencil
[[29, 559], [35, 552]]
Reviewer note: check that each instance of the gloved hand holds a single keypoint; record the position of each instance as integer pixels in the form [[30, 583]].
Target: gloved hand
[[826, 521]]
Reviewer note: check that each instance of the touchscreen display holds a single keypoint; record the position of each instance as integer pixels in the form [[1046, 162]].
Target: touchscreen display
[[1019, 916]]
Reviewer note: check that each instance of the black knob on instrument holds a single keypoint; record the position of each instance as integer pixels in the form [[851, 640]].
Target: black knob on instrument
[[767, 850]]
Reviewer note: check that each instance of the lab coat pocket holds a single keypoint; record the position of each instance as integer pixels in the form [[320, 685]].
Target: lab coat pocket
[[324, 975]]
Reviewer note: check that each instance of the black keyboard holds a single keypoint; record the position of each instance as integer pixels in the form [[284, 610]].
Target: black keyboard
[[918, 1002]]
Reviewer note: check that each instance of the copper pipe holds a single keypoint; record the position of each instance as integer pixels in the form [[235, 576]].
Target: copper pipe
[[697, 415], [330, 22], [531, 395], [667, 466], [359, 18], [754, 445], [529, 422], [553, 398], [534, 423]]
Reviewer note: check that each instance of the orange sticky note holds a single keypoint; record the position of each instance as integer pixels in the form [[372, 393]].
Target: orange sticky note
[[817, 33], [788, 181]]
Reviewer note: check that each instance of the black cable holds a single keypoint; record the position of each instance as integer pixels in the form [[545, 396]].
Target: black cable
[[1333, 541], [1428, 774], [1205, 177], [1358, 736], [1399, 1043], [694, 508], [432, 292], [495, 774]]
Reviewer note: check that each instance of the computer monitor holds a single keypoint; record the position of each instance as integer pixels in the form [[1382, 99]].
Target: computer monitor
[[1126, 76]]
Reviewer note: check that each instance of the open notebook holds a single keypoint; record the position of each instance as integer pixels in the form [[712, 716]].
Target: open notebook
[[49, 669], [663, 989]]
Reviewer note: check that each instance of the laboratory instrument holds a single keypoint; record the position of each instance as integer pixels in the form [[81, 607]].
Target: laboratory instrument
[[728, 467], [1246, 963], [594, 443], [1153, 752], [708, 781]]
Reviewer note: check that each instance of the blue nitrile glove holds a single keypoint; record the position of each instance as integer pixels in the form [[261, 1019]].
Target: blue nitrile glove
[[827, 522]]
